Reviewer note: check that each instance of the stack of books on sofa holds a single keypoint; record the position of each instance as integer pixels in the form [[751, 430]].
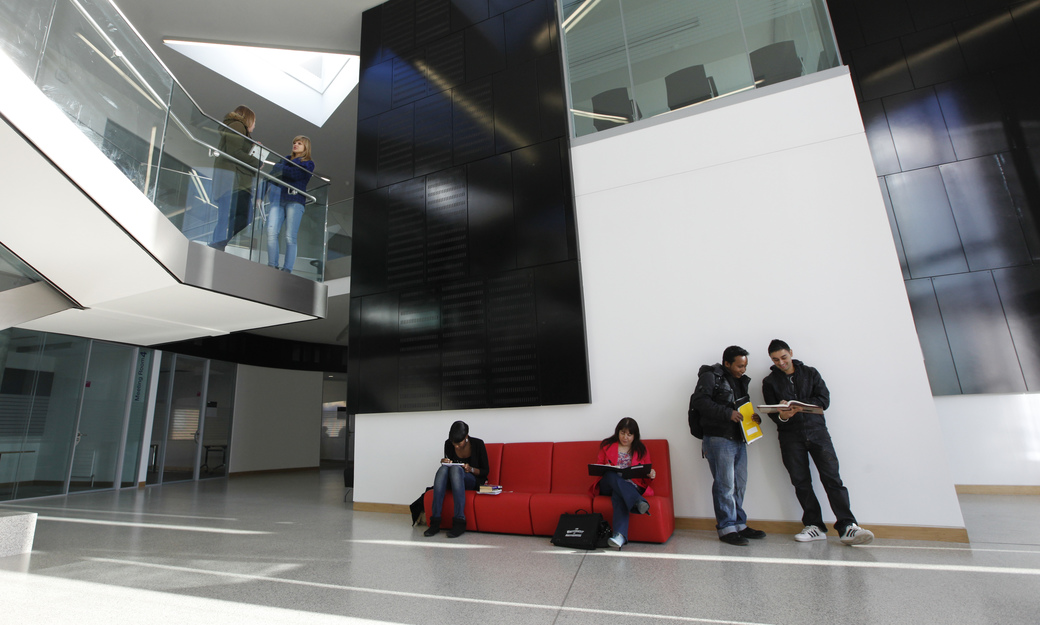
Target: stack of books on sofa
[[489, 489]]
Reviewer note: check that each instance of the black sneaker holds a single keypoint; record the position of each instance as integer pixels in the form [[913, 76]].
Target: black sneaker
[[754, 534], [734, 538]]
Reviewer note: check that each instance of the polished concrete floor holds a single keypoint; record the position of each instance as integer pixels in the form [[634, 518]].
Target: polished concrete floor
[[284, 548]]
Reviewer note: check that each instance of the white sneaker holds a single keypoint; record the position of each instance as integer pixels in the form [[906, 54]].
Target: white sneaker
[[617, 540], [856, 535], [810, 532]]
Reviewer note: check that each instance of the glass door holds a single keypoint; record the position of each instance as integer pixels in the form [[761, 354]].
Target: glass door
[[138, 413], [161, 420], [41, 379], [216, 427], [186, 401], [96, 457]]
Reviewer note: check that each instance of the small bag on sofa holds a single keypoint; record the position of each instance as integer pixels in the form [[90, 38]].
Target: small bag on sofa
[[581, 530]]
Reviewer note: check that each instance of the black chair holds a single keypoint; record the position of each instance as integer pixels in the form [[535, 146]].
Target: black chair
[[775, 63], [612, 102], [827, 61], [688, 86]]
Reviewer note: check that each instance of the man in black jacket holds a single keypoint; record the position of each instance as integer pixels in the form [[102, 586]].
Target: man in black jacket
[[719, 388], [803, 434]]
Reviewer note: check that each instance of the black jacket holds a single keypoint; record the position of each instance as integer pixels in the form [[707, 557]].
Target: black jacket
[[805, 385], [477, 457], [715, 400]]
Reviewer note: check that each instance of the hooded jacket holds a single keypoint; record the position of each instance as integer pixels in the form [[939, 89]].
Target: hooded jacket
[[715, 400], [235, 143], [805, 385]]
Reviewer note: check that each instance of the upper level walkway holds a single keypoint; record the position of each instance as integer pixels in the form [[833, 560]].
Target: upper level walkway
[[118, 249]]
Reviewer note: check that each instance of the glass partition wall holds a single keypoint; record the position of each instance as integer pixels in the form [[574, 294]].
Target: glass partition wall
[[634, 59], [74, 414], [94, 66], [191, 432], [104, 410], [41, 390]]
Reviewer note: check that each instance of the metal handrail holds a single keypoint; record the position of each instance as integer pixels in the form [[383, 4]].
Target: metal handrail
[[137, 74], [264, 174]]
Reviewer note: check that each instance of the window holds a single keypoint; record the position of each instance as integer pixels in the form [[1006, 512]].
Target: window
[[185, 424], [333, 418]]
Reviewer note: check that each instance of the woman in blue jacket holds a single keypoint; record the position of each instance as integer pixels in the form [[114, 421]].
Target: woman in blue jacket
[[287, 206]]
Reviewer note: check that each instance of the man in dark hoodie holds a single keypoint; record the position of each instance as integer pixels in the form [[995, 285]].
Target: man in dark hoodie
[[803, 434], [721, 388]]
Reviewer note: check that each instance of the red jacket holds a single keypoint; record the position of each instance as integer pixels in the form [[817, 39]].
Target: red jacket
[[609, 455]]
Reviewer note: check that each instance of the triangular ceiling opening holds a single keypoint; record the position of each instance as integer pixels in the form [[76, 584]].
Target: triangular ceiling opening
[[309, 84]]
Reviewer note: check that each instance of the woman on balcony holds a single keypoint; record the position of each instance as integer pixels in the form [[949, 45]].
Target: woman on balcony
[[288, 201], [234, 175]]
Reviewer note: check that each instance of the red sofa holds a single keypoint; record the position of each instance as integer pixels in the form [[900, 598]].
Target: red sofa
[[541, 481]]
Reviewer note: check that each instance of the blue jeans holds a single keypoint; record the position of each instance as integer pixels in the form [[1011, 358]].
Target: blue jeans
[[728, 462], [460, 483], [291, 213], [624, 495], [795, 450], [234, 212]]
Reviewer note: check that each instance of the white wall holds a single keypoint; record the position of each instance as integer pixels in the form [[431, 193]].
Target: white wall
[[758, 220], [992, 439], [277, 422]]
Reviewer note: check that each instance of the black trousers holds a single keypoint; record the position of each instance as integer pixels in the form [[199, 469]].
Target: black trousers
[[796, 448]]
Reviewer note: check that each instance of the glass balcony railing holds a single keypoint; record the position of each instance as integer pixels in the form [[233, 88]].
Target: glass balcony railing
[[339, 239], [94, 66], [634, 59]]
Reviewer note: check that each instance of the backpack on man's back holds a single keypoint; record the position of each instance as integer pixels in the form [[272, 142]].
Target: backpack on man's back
[[694, 416]]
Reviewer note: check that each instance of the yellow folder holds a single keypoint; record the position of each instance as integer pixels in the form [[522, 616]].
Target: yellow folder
[[752, 430]]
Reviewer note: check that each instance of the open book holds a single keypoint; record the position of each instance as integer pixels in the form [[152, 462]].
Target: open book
[[791, 404], [636, 470]]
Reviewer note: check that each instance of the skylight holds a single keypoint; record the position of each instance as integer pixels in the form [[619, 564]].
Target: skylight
[[309, 84]]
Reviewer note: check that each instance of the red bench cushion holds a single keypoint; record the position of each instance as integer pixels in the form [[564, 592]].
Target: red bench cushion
[[662, 462], [526, 468], [494, 452], [570, 466]]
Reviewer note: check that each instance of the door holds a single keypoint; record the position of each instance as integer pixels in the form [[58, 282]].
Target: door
[[216, 426], [41, 384], [186, 399], [106, 399]]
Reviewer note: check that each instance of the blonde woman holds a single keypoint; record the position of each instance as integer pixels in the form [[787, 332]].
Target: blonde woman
[[287, 202]]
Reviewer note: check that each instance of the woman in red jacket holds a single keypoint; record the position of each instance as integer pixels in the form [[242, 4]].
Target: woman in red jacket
[[624, 449]]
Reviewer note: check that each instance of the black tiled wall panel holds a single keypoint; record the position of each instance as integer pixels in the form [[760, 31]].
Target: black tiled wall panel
[[950, 96], [466, 285]]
